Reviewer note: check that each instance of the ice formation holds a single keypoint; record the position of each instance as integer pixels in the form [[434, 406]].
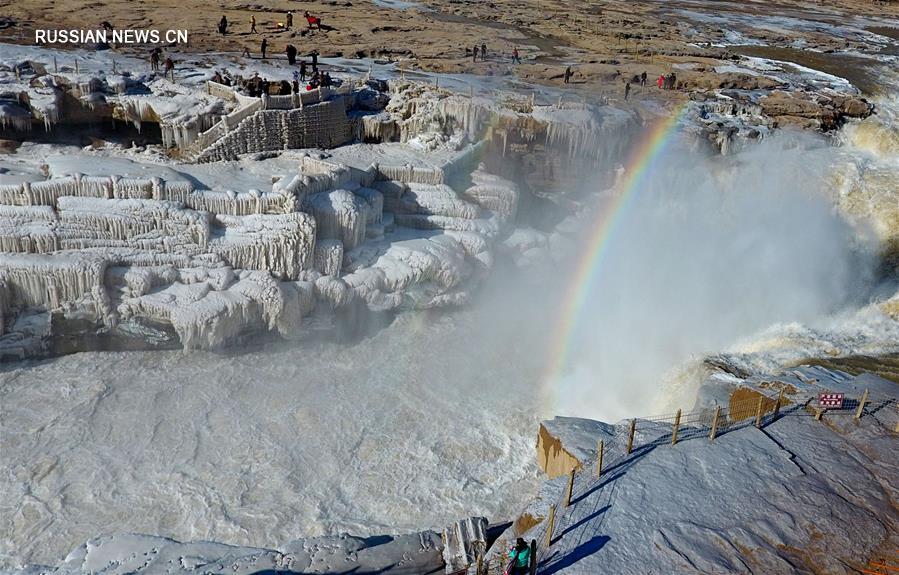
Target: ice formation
[[136, 254], [198, 265], [147, 555]]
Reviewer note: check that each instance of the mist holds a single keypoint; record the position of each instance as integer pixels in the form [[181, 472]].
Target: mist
[[706, 251]]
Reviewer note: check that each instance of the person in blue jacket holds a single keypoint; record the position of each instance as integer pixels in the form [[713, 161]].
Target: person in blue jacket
[[519, 558]]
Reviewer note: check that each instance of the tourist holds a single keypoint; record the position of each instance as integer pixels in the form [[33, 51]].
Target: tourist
[[253, 25], [264, 47], [627, 90], [302, 70], [284, 88], [643, 80], [246, 52], [313, 21], [169, 66], [154, 59], [475, 54], [483, 51], [291, 54], [567, 74], [289, 20], [223, 26], [661, 81], [515, 57], [314, 55], [673, 81], [519, 558]]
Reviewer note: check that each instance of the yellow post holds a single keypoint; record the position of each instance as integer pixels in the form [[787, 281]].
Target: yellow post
[[861, 405], [818, 413], [714, 431], [480, 565], [758, 412], [630, 436], [780, 398], [676, 427], [570, 487], [550, 524], [599, 458]]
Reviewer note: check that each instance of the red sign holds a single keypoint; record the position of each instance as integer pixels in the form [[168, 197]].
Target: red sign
[[831, 400]]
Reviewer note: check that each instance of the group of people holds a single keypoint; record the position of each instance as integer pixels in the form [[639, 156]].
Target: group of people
[[641, 79], [482, 52], [257, 86], [314, 22], [156, 58], [667, 82], [224, 79], [479, 51]]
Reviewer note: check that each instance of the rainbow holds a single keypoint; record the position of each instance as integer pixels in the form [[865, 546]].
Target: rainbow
[[640, 162]]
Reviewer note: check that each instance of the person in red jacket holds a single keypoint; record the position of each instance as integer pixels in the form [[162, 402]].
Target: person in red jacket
[[661, 81], [313, 21]]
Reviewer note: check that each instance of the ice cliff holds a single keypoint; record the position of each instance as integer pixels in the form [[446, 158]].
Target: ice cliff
[[132, 254]]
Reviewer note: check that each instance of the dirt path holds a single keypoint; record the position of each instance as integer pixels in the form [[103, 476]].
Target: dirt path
[[604, 42]]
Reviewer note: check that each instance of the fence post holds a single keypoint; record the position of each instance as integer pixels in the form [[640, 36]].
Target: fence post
[[599, 458], [861, 405], [780, 398], [758, 412], [76, 65], [550, 525], [55, 66], [630, 436], [714, 431], [570, 487], [676, 427]]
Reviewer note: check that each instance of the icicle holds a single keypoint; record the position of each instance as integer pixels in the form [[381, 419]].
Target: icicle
[[339, 214]]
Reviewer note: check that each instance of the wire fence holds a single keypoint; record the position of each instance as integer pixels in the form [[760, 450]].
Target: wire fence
[[636, 437]]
